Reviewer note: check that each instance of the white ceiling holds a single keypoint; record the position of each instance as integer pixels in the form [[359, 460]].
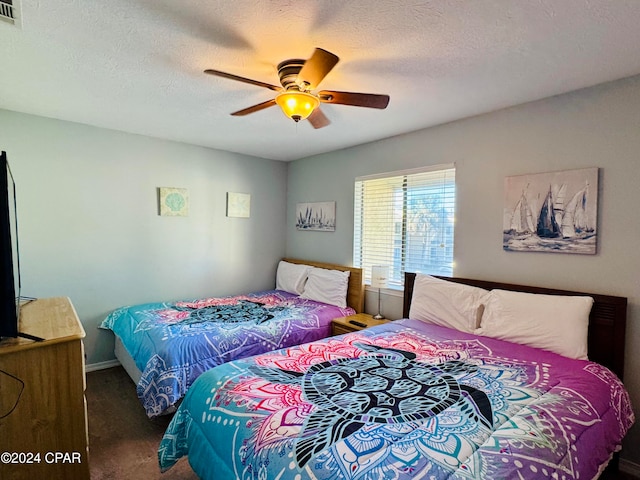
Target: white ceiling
[[137, 65]]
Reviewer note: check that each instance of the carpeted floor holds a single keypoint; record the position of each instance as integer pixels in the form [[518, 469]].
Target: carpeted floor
[[123, 442]]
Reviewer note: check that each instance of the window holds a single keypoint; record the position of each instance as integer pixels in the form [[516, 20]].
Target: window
[[7, 12], [405, 220]]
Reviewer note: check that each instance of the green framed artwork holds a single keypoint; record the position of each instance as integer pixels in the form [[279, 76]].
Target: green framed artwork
[[174, 202]]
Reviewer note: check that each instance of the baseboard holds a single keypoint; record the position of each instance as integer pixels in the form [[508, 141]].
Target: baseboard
[[101, 365], [630, 468]]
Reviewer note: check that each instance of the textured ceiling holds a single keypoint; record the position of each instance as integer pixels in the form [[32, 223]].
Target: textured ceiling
[[137, 65]]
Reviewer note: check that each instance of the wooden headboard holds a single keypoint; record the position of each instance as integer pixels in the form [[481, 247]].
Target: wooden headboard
[[607, 321], [355, 292]]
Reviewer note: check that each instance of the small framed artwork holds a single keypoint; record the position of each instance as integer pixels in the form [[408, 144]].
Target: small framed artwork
[[173, 201], [553, 212], [238, 205], [317, 216]]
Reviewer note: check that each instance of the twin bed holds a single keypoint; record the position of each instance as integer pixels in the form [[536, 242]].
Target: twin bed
[[480, 380], [164, 347]]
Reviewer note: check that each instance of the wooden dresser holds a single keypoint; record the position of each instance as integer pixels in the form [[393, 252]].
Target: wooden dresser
[[43, 429]]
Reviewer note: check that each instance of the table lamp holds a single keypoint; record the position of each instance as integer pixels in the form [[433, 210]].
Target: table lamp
[[379, 278]]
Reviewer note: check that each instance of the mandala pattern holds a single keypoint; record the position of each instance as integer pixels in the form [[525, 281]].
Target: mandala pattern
[[395, 403], [173, 343], [432, 406], [387, 388], [243, 311], [183, 318], [619, 402]]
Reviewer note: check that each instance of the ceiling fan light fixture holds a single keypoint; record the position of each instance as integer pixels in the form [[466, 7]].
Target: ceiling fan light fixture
[[299, 78], [297, 105]]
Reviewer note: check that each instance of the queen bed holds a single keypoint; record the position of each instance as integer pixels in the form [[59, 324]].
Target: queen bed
[[165, 346], [445, 393]]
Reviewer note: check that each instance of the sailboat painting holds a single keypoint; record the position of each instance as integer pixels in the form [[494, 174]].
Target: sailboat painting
[[319, 216], [551, 212]]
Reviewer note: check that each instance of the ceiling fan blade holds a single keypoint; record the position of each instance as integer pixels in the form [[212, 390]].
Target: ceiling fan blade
[[318, 119], [316, 68], [230, 76], [370, 100], [254, 108]]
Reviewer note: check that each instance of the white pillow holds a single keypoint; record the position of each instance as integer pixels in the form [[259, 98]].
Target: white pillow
[[447, 304], [327, 286], [291, 277], [557, 323]]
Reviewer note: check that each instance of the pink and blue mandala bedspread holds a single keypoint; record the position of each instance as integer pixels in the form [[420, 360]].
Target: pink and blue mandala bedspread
[[174, 343], [398, 401]]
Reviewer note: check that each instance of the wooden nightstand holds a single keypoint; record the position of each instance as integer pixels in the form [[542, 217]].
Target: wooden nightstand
[[341, 325]]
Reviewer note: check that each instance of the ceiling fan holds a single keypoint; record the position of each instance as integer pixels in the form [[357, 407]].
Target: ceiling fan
[[296, 97]]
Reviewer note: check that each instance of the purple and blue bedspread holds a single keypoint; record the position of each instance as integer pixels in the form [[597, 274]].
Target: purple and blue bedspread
[[174, 343], [402, 400]]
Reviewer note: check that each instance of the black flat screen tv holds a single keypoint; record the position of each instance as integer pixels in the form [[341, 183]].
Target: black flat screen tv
[[9, 302], [10, 299]]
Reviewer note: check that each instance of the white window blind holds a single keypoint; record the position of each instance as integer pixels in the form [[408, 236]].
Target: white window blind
[[9, 12], [405, 220]]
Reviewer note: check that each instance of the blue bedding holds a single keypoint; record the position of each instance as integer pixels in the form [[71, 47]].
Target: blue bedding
[[401, 401], [173, 343]]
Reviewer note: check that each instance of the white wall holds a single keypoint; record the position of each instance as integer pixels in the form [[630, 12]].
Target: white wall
[[596, 127], [90, 230]]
